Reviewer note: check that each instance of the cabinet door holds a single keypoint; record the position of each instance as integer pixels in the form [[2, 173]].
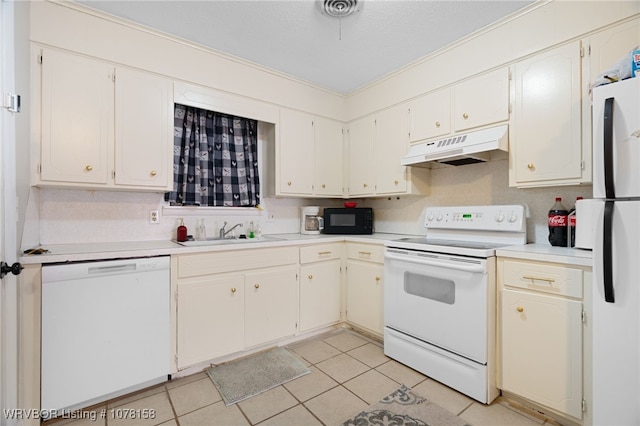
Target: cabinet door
[[270, 305], [546, 146], [77, 119], [329, 155], [430, 116], [143, 130], [390, 146], [481, 101], [320, 294], [361, 157], [296, 154], [210, 318], [364, 295], [542, 349]]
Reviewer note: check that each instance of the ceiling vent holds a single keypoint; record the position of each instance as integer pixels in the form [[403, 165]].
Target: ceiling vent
[[339, 8]]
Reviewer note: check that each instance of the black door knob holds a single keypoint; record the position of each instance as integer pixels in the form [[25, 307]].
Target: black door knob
[[15, 269]]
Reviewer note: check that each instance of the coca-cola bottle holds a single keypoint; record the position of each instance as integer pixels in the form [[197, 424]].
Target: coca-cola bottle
[[572, 225], [558, 224]]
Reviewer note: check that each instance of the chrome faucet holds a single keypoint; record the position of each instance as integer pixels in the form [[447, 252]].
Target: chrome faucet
[[223, 232]]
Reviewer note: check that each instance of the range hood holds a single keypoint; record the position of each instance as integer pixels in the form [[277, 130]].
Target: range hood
[[459, 149]]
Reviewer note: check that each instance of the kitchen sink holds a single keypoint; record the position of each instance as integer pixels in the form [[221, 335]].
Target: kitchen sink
[[228, 241]]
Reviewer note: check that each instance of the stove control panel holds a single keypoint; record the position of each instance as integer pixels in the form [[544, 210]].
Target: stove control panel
[[490, 218]]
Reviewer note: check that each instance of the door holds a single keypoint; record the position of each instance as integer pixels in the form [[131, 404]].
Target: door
[[77, 118], [295, 158], [143, 130], [329, 151], [390, 146], [530, 331], [616, 324], [361, 157], [8, 237], [320, 294], [364, 295], [616, 140], [439, 299]]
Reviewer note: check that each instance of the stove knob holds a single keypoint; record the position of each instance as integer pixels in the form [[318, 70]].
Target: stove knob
[[430, 217], [514, 217], [499, 217], [439, 218]]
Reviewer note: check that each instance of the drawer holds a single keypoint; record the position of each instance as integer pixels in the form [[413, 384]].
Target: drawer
[[320, 252], [547, 278], [366, 252], [193, 265]]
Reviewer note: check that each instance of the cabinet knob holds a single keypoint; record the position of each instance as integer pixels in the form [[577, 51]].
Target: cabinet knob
[[530, 166], [324, 186], [437, 124], [364, 185], [465, 115], [88, 167], [377, 279], [395, 182], [520, 309], [289, 183], [310, 276], [153, 173], [233, 290], [256, 285]]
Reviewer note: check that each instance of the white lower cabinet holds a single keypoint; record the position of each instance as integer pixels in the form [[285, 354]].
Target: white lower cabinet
[[365, 286], [320, 285], [270, 303], [542, 334], [230, 301]]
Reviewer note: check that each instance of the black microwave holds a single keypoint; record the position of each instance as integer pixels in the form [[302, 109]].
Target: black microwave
[[358, 220]]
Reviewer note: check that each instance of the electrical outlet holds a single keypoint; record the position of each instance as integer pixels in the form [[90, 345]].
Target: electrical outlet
[[154, 217], [270, 216]]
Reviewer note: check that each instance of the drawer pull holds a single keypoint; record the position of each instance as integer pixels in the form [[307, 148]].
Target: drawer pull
[[530, 166], [323, 253], [365, 253], [233, 290], [88, 167], [153, 173], [529, 277], [520, 309]]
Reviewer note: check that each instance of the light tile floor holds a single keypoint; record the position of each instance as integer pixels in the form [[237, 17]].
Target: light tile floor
[[349, 371]]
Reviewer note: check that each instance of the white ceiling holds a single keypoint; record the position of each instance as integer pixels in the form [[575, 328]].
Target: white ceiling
[[296, 38]]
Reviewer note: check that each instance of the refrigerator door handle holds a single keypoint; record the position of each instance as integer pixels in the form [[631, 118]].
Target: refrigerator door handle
[[607, 252], [609, 187]]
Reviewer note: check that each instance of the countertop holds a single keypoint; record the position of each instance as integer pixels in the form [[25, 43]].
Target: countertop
[[120, 250], [548, 253]]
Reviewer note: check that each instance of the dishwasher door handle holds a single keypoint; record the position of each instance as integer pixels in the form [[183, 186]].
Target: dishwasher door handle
[[127, 267]]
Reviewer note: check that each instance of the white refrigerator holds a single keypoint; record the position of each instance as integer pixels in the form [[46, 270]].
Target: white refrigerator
[[616, 254]]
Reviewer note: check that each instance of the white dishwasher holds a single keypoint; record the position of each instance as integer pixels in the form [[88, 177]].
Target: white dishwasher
[[105, 330]]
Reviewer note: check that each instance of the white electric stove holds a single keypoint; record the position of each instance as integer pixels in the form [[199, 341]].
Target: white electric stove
[[440, 291]]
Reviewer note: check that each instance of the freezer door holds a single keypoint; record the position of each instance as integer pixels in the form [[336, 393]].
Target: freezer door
[[616, 140], [616, 324]]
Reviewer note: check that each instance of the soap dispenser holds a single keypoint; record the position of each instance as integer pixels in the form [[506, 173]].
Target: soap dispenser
[[182, 232]]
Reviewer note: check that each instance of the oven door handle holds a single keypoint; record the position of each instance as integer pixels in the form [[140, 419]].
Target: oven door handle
[[460, 266]]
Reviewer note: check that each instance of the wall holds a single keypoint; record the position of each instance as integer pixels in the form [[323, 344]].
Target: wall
[[56, 216]]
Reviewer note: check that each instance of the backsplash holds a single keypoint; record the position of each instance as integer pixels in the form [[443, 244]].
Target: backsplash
[[64, 216]]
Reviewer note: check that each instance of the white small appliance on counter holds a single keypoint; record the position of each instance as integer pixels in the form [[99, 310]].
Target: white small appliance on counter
[[311, 223]]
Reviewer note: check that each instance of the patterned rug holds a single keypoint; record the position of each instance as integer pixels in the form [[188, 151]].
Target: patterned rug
[[405, 408], [241, 379]]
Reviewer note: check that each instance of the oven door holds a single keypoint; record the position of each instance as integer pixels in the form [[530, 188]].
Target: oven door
[[440, 299]]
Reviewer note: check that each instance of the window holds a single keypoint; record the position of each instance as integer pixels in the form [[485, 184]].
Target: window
[[215, 159]]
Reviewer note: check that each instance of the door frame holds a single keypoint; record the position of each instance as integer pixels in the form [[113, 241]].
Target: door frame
[[8, 216]]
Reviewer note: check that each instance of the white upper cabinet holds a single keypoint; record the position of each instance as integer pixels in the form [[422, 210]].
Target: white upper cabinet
[[390, 146], [360, 157], [295, 164], [77, 119], [310, 153], [143, 126], [329, 150], [430, 115], [546, 147], [481, 101], [103, 126], [476, 102]]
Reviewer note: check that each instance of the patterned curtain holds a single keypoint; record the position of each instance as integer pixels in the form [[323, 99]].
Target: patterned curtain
[[215, 159]]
